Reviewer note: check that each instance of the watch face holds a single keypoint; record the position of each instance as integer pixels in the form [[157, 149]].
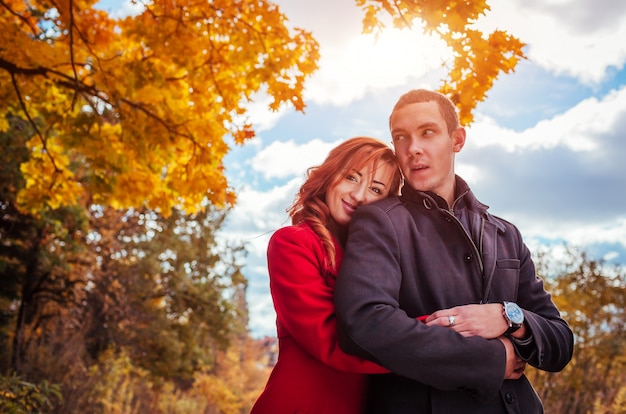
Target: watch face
[[514, 313]]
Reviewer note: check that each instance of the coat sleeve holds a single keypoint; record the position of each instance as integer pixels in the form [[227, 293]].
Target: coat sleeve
[[553, 340], [304, 301], [373, 325]]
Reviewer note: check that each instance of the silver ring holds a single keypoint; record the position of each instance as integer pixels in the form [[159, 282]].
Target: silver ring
[[451, 320]]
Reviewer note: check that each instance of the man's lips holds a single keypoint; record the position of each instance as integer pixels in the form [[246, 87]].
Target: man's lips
[[419, 167]]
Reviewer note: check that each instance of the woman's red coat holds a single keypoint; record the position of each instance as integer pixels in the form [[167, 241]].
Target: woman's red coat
[[312, 374]]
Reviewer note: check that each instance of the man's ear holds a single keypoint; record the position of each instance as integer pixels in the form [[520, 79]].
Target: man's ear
[[458, 136]]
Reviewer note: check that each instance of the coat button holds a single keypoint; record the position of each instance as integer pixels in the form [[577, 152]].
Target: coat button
[[467, 258], [510, 398]]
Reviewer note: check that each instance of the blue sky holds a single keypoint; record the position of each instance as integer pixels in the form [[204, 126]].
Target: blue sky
[[546, 150]]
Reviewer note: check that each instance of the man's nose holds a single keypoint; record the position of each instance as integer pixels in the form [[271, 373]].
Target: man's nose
[[415, 147]]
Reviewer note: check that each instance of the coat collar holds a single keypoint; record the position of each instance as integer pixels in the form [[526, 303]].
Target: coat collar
[[463, 198]]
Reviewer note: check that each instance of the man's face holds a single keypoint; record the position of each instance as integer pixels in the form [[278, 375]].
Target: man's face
[[424, 148]]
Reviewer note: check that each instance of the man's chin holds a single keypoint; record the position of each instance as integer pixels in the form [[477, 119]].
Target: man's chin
[[418, 185]]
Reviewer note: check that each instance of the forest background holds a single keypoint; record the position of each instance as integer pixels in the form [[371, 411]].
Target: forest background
[[120, 290]]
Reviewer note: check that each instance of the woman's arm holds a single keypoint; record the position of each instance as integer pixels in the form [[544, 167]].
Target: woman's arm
[[304, 301]]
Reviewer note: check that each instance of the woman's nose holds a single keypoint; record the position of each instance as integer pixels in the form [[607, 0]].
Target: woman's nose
[[358, 193]]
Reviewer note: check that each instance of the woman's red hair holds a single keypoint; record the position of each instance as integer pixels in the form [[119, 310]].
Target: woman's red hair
[[353, 154]]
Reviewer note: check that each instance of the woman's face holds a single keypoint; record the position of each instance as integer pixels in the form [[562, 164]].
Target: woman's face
[[356, 188]]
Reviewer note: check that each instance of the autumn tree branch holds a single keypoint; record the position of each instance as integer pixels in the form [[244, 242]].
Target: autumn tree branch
[[72, 63], [16, 88], [22, 18], [77, 86]]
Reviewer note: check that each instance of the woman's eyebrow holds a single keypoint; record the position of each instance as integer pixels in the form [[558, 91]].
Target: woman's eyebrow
[[378, 182]]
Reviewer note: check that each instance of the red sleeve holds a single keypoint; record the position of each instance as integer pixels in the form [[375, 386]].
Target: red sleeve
[[304, 301]]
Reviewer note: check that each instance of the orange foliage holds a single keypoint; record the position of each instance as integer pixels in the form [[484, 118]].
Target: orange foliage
[[134, 112]]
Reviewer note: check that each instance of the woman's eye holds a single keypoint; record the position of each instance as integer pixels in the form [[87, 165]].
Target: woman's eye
[[376, 190], [351, 177]]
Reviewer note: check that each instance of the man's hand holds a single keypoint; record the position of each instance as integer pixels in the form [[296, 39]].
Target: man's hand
[[514, 364]]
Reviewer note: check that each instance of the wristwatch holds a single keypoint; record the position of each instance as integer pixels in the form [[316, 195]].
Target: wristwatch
[[513, 315]]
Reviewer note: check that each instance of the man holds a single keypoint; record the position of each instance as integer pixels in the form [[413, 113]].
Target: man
[[436, 251]]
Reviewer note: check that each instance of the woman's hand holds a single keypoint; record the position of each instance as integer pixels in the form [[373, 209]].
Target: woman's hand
[[472, 320]]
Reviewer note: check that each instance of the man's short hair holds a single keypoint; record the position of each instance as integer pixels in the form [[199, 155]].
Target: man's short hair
[[446, 107]]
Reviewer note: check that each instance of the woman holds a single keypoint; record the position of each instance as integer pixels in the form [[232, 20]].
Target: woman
[[312, 374]]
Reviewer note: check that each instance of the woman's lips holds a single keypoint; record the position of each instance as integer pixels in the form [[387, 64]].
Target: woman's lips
[[350, 208]]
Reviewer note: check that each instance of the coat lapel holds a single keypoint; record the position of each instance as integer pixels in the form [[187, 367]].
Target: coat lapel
[[489, 249]]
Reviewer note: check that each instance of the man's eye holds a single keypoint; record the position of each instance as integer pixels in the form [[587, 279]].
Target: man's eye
[[398, 137], [428, 132]]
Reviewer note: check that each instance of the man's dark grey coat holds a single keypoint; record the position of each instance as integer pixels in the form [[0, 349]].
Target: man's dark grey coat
[[411, 256]]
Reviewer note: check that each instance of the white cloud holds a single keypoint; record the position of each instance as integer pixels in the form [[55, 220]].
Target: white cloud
[[120, 9], [260, 212], [287, 159], [470, 173], [610, 256], [578, 38], [576, 129], [613, 231], [258, 113]]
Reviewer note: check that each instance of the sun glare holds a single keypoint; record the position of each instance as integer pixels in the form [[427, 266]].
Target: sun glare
[[363, 62]]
